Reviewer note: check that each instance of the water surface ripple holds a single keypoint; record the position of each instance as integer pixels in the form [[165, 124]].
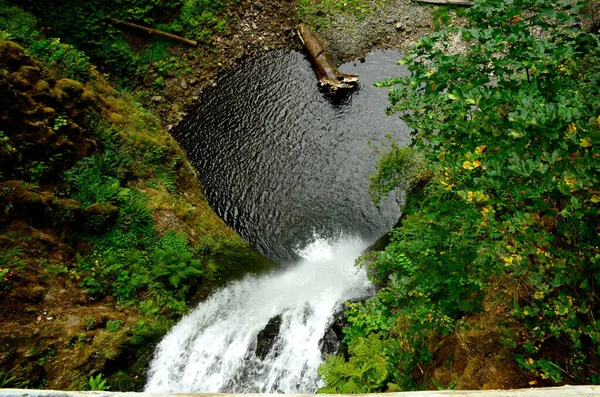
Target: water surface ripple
[[281, 161]]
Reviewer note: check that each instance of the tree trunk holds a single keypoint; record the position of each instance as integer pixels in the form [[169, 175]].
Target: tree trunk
[[153, 31], [327, 71]]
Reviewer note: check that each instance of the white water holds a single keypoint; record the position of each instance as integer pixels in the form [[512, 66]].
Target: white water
[[212, 349]]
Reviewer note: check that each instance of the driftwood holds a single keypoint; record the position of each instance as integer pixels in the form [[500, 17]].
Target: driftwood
[[153, 31], [467, 3], [328, 73]]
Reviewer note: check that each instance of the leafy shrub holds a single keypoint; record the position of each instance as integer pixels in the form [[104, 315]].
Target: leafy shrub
[[510, 128], [397, 169], [17, 24], [366, 371], [64, 59]]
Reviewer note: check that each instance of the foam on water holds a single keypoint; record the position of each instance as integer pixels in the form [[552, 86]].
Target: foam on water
[[212, 349]]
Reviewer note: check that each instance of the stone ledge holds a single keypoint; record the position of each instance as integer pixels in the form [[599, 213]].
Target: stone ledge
[[564, 391]]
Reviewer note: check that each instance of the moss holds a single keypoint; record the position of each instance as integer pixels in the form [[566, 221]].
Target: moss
[[41, 86], [30, 73], [115, 118], [99, 217], [71, 88]]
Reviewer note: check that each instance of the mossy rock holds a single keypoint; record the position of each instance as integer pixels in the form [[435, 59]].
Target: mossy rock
[[87, 96], [30, 73], [115, 118], [68, 88], [12, 55], [41, 86], [98, 217]]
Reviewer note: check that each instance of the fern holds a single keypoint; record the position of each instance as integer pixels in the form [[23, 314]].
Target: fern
[[365, 372]]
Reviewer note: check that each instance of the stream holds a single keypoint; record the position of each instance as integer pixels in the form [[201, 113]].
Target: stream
[[286, 167]]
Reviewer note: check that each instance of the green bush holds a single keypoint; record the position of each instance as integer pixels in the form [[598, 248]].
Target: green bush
[[64, 59], [511, 131]]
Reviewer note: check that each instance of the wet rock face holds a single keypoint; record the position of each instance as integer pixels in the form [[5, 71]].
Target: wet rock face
[[330, 344], [267, 337]]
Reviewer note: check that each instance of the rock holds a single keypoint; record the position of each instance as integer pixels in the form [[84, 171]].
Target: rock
[[156, 98], [149, 80], [66, 87], [31, 73], [331, 343], [184, 84], [265, 339], [41, 86], [254, 26], [193, 81], [389, 21], [399, 26], [99, 216]]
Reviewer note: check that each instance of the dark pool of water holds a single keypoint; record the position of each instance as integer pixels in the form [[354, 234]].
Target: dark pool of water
[[280, 161]]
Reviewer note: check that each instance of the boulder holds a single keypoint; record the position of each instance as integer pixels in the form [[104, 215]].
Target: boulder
[[265, 339]]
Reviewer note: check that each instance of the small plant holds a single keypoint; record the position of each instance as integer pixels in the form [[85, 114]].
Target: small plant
[[97, 383], [4, 35], [10, 262], [89, 323], [113, 325], [36, 170], [59, 122]]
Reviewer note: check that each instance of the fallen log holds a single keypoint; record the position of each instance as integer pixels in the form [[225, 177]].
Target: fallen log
[[328, 73], [467, 3], [180, 39]]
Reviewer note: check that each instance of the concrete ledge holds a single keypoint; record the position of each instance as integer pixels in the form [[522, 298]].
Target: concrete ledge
[[564, 391]]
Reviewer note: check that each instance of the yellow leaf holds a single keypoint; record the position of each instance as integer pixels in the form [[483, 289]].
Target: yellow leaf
[[532, 382], [595, 199], [467, 165], [476, 163], [530, 360], [586, 142]]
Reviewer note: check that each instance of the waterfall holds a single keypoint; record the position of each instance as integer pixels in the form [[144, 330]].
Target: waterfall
[[212, 349]]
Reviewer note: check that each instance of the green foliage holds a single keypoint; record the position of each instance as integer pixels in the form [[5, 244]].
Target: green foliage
[[65, 60], [97, 383], [510, 128], [85, 25], [17, 24], [366, 372], [89, 323], [199, 20], [442, 15], [10, 262], [13, 382], [4, 35], [113, 325], [397, 169]]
